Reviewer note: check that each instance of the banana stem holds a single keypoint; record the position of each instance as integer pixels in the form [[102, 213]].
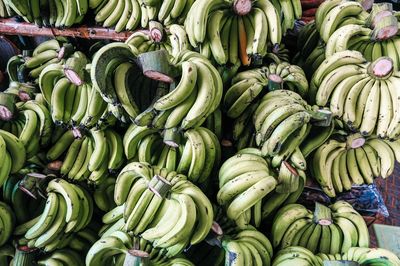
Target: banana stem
[[355, 141], [322, 214], [156, 31], [26, 92], [24, 256], [159, 186], [214, 237], [172, 137], [7, 106], [65, 51], [322, 118], [275, 82], [242, 7], [137, 258], [74, 69], [381, 67], [385, 28], [155, 65]]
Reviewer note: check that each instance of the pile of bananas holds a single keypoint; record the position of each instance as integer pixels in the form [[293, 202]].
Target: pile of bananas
[[191, 142], [196, 153], [337, 165], [363, 256], [328, 230], [53, 13]]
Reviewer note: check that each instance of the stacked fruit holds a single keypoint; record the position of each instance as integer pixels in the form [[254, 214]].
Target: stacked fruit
[[328, 230], [362, 256]]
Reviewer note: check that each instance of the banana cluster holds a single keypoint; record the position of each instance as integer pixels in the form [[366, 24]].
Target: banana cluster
[[196, 96], [131, 14], [251, 191], [247, 247], [333, 15], [328, 230], [196, 153], [363, 256], [68, 209], [7, 222], [103, 195], [363, 94], [251, 84], [183, 217], [62, 257], [234, 31], [345, 25], [32, 124], [13, 150], [173, 39], [121, 246], [281, 122], [337, 165], [88, 157], [54, 13]]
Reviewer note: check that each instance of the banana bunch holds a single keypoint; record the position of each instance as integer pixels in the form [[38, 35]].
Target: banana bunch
[[278, 53], [337, 165], [249, 190], [363, 256], [73, 105], [296, 255], [88, 157], [188, 104], [183, 217], [249, 85], [247, 247], [196, 154], [236, 30], [68, 209], [361, 93], [54, 51], [62, 257], [32, 125], [120, 246], [103, 195], [59, 14], [328, 230], [290, 10], [5, 10], [334, 14], [14, 155], [7, 253], [281, 122], [173, 39], [7, 222]]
